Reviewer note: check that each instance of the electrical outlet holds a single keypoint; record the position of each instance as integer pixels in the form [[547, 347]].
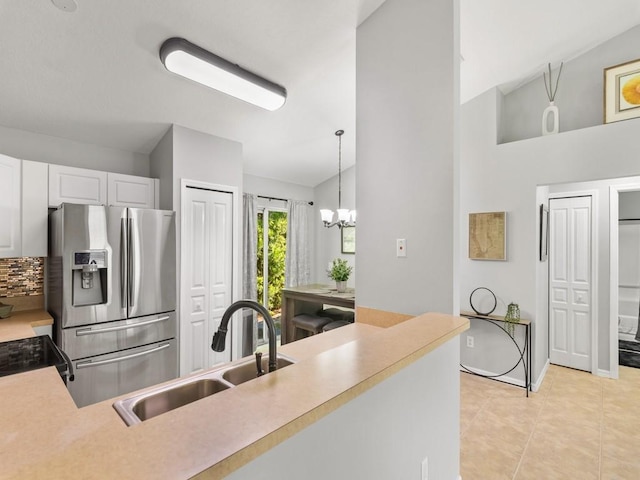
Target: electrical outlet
[[470, 341], [425, 468], [401, 247]]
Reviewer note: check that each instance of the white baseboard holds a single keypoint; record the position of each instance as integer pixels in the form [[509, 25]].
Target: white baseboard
[[502, 378], [603, 373], [535, 386]]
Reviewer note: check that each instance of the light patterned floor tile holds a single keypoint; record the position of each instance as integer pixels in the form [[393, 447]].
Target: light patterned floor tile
[[578, 426]]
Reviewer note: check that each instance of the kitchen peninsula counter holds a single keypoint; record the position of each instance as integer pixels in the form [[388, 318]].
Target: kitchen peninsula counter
[[44, 435], [20, 324]]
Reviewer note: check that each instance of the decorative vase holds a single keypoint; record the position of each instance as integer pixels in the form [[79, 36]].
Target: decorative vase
[[512, 317], [341, 286], [555, 120]]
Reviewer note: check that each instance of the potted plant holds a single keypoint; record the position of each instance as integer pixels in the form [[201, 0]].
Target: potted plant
[[340, 271]]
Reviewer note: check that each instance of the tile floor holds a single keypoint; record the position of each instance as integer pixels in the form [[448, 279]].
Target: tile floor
[[577, 426]]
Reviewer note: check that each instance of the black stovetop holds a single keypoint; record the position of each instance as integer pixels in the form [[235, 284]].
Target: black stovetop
[[17, 356]]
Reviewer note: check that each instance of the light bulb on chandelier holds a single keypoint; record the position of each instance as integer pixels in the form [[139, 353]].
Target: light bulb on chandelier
[[346, 217]]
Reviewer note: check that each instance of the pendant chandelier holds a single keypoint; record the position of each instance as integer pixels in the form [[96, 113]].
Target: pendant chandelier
[[346, 217]]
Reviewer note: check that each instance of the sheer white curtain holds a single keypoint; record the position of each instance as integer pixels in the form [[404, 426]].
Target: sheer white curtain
[[250, 270], [297, 263]]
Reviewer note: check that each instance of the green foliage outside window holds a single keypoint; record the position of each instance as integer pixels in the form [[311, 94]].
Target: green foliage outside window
[[277, 246]]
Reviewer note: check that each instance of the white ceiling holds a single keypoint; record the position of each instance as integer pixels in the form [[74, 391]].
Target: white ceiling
[[508, 42], [94, 75]]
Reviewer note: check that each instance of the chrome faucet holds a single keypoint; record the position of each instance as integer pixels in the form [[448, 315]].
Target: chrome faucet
[[219, 337]]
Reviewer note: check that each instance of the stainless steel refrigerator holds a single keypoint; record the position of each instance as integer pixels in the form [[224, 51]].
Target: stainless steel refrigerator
[[112, 293]]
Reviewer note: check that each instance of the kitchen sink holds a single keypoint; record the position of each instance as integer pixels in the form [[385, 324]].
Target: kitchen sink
[[248, 371], [155, 401], [176, 397]]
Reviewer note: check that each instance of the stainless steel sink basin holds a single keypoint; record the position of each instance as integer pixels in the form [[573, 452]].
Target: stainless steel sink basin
[[248, 371], [164, 398]]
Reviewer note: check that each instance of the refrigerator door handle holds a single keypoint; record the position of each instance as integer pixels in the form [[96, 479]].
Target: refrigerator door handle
[[123, 263], [89, 363], [96, 331], [132, 259]]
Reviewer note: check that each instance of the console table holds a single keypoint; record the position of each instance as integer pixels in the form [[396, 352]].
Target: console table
[[523, 350], [309, 299]]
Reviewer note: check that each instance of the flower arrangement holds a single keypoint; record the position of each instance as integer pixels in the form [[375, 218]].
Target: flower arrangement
[[340, 270]]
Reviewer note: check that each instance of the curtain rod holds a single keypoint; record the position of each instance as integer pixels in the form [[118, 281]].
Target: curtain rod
[[276, 198]]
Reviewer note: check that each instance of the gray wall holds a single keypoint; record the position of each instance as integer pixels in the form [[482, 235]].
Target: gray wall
[[580, 93], [328, 240], [506, 178], [161, 167], [383, 434], [61, 151], [629, 206], [406, 83], [191, 155], [275, 188]]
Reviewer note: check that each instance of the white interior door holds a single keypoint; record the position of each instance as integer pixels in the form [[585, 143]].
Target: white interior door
[[207, 291], [570, 315]]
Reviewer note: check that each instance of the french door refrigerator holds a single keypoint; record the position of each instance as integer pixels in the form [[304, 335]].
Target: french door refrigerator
[[112, 293]]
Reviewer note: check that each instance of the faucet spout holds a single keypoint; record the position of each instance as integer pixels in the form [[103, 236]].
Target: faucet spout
[[218, 342]]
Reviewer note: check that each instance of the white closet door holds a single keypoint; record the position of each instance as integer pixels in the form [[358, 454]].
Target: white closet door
[[570, 314], [208, 273]]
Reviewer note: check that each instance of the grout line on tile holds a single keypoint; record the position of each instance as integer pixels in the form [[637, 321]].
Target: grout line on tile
[[533, 429], [473, 419]]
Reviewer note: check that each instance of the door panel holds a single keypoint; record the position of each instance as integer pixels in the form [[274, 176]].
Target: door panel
[[132, 370], [221, 277], [570, 313], [117, 235], [81, 342], [152, 254], [559, 338], [208, 292]]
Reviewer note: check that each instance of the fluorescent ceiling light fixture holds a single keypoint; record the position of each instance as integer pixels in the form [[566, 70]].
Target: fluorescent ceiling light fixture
[[195, 63]]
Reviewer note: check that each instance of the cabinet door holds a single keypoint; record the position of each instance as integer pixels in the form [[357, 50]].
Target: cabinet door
[[130, 191], [76, 185], [9, 207], [34, 208]]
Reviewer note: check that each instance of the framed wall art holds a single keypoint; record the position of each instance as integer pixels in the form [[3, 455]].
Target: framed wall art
[[487, 236], [622, 92], [348, 236]]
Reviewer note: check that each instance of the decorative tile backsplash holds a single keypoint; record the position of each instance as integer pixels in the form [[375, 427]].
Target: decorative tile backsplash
[[21, 277]]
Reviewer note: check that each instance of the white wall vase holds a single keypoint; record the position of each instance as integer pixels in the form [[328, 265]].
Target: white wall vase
[[341, 287], [552, 111]]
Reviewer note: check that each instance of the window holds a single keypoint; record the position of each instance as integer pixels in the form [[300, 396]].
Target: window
[[272, 246]]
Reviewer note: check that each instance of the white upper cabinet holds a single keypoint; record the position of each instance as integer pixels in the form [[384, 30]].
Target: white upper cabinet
[[34, 208], [76, 185], [23, 207], [93, 187], [10, 234], [130, 191]]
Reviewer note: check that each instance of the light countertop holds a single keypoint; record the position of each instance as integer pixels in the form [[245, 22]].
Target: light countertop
[[19, 324], [44, 435]]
